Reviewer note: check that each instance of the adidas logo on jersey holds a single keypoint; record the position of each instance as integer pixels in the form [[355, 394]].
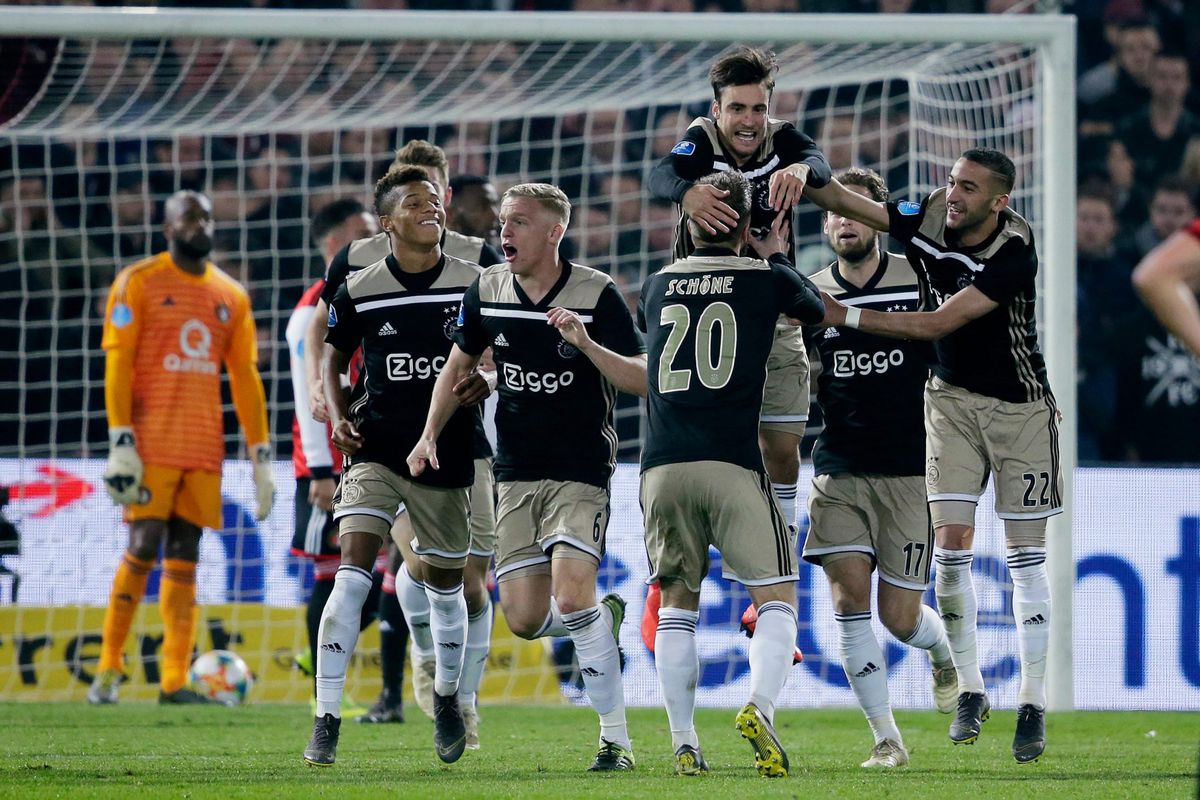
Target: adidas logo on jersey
[[591, 672], [333, 647], [867, 670], [500, 341], [387, 330], [1036, 619], [831, 333]]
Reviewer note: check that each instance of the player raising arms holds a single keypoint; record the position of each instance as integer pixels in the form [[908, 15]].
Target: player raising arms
[[779, 161], [564, 344], [172, 320], [710, 323], [988, 407], [867, 507], [400, 311]]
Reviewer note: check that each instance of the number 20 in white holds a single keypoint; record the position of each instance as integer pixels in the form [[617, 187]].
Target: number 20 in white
[[712, 376]]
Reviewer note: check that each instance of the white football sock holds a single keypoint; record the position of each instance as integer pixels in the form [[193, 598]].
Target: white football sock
[[338, 634], [1031, 607], [930, 635], [479, 639], [448, 625], [786, 492], [600, 666], [553, 626], [415, 605], [959, 609], [862, 658], [678, 671], [771, 652]]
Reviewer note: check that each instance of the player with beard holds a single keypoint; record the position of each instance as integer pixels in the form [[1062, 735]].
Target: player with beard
[[988, 408], [172, 321], [867, 506]]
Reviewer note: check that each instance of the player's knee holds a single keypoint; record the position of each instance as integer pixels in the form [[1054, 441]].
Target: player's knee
[[1025, 533], [900, 621], [954, 536], [523, 622], [475, 592], [952, 514]]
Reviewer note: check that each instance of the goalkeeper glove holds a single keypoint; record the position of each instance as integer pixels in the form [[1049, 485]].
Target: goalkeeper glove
[[123, 475], [264, 480]]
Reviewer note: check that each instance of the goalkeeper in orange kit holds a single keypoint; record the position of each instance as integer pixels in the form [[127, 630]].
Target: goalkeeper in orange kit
[[172, 320]]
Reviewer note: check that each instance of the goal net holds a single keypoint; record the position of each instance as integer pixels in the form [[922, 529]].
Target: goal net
[[274, 115]]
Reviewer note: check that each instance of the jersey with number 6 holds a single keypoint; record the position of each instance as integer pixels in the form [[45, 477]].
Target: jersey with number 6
[[710, 321]]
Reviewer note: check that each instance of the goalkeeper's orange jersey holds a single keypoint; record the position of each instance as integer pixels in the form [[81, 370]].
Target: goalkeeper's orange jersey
[[166, 333]]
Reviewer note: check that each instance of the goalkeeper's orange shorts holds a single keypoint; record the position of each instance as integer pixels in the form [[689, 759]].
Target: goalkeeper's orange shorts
[[191, 495]]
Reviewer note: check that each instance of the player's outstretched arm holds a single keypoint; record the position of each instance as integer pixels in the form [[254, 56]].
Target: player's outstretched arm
[[1168, 279], [314, 342], [627, 373], [837, 199], [459, 366], [966, 305]]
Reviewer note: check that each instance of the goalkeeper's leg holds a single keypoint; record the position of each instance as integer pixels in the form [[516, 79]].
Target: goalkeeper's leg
[[129, 586]]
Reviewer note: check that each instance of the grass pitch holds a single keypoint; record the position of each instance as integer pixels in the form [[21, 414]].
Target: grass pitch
[[137, 750]]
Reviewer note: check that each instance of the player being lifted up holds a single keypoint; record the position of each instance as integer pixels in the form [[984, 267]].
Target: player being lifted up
[[172, 320], [710, 324], [779, 161], [408, 578], [988, 408], [867, 506], [564, 344], [400, 311]]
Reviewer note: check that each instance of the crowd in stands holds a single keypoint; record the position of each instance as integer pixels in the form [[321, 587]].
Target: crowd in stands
[[73, 211]]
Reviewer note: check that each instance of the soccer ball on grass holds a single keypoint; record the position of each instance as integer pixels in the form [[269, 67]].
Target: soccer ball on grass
[[222, 676]]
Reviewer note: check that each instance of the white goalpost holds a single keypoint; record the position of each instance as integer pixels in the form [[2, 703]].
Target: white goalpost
[[276, 113]]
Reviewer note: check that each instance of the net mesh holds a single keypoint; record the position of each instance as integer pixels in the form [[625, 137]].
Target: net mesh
[[273, 129]]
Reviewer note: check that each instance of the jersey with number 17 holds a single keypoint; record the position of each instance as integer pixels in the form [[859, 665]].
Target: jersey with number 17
[[709, 321]]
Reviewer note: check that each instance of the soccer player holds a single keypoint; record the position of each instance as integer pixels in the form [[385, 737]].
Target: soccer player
[[172, 321], [710, 324], [400, 311], [564, 343], [1168, 279], [988, 408], [779, 161], [407, 580], [867, 507], [318, 464], [476, 207]]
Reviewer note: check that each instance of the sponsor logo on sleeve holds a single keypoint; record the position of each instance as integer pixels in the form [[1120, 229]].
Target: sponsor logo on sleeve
[[684, 148], [122, 315], [332, 317], [908, 208]]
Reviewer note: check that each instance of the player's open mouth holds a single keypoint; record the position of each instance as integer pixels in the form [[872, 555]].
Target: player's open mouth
[[510, 252], [847, 236], [747, 137]]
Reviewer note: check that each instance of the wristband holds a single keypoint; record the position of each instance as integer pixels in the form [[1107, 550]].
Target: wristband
[[853, 314]]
